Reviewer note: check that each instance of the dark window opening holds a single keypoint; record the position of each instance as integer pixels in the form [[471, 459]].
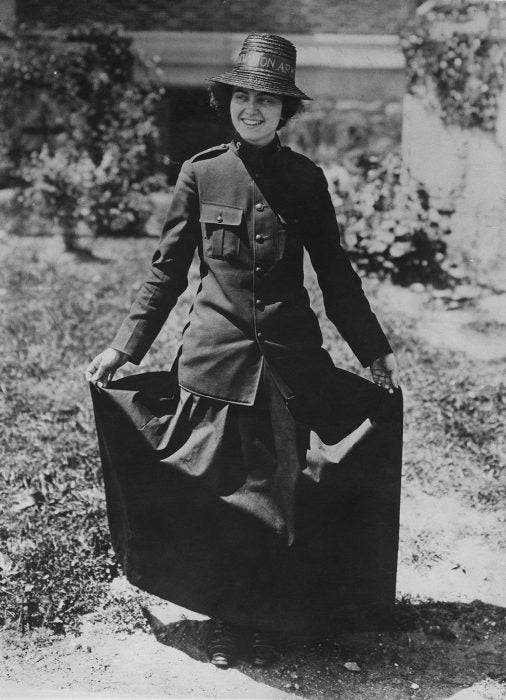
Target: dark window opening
[[189, 125]]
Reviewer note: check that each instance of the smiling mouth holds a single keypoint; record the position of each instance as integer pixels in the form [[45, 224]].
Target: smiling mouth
[[251, 122]]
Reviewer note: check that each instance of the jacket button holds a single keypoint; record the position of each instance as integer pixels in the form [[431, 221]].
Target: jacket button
[[219, 219], [259, 304], [259, 206], [259, 238], [259, 271]]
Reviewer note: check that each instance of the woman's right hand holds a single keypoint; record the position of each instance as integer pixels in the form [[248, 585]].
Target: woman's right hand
[[103, 367]]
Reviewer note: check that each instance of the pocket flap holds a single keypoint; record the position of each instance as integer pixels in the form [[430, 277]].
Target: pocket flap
[[220, 214]]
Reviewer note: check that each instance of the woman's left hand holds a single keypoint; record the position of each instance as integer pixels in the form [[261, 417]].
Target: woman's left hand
[[385, 372]]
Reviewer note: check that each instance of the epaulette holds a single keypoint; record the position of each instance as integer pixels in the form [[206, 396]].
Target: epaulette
[[210, 152]]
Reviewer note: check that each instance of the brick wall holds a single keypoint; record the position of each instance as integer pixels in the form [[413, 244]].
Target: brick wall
[[281, 16]]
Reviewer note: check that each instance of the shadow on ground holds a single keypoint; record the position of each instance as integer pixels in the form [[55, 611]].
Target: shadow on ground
[[431, 650]]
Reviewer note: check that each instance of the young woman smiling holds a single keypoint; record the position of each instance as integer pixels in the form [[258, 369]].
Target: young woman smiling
[[255, 115], [219, 479]]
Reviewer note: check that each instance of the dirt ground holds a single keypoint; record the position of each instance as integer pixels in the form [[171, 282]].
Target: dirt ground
[[460, 655], [452, 643]]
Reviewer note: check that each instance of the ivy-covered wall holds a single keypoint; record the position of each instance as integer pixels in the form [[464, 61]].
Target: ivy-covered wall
[[297, 16]]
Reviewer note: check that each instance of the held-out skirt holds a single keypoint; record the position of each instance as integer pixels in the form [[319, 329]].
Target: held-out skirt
[[282, 515]]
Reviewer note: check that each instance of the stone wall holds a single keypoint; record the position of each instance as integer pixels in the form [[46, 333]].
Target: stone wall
[[464, 168], [467, 169], [289, 16], [7, 14]]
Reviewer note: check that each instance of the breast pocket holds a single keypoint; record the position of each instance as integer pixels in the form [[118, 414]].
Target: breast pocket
[[221, 230]]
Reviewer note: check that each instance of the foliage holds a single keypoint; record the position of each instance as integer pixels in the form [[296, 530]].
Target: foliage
[[59, 583], [466, 69], [332, 128], [55, 557], [82, 196], [55, 552], [82, 108], [392, 227]]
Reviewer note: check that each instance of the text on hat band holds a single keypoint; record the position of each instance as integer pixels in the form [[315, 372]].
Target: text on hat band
[[256, 59]]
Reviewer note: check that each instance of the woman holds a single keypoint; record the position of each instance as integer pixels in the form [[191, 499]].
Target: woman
[[250, 382]]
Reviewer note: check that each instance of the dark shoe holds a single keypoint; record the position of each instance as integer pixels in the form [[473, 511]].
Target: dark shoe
[[263, 651], [222, 644]]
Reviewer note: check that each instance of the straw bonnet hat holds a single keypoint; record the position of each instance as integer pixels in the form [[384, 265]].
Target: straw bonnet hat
[[265, 63]]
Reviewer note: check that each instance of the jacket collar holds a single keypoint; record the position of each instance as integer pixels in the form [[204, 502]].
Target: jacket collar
[[252, 155]]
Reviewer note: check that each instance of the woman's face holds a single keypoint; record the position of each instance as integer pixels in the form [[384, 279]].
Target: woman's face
[[255, 115]]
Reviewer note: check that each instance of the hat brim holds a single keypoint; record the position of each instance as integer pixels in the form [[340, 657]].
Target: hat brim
[[261, 83]]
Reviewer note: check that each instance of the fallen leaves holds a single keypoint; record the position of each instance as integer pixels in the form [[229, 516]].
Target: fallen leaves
[[352, 666], [28, 500], [6, 564]]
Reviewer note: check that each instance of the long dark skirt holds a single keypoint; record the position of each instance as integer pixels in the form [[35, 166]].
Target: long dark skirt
[[244, 513]]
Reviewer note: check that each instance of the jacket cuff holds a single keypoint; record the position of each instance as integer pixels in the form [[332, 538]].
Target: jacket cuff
[[380, 349], [127, 341]]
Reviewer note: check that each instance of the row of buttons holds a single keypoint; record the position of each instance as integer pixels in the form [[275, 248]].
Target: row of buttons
[[258, 270]]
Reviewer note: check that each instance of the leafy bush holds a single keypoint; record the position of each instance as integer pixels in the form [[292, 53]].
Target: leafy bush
[[82, 110], [87, 198], [466, 70], [392, 226], [332, 128]]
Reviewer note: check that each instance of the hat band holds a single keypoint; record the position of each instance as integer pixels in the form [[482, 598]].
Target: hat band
[[257, 59]]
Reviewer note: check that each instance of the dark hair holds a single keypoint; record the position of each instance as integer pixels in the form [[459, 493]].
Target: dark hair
[[220, 95]]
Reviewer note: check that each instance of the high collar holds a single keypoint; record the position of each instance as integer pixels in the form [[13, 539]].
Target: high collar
[[255, 155]]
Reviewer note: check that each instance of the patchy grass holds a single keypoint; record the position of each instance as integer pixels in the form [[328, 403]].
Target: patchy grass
[[58, 312]]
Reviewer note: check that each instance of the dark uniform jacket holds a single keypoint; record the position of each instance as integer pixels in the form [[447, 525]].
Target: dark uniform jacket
[[250, 213]]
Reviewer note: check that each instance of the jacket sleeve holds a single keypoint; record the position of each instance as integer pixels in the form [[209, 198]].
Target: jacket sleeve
[[345, 303], [168, 276]]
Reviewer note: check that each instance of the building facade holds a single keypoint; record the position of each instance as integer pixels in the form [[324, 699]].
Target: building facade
[[348, 52]]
